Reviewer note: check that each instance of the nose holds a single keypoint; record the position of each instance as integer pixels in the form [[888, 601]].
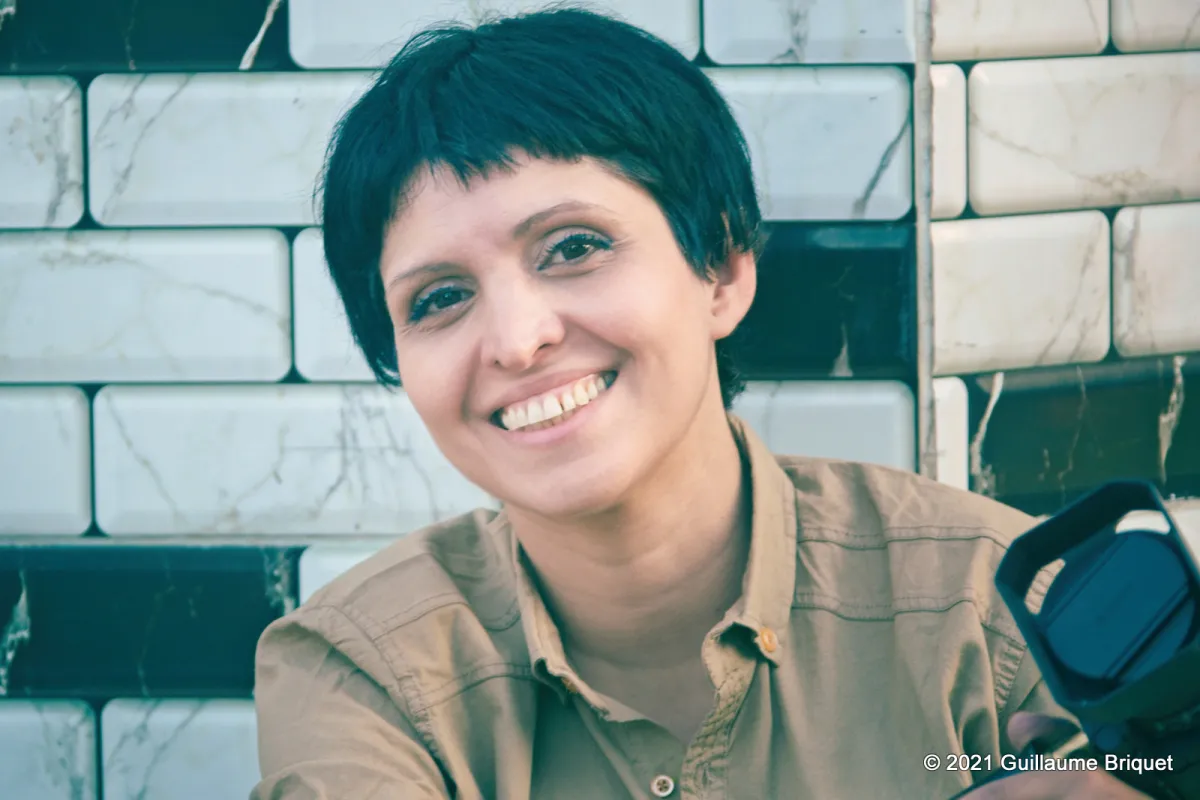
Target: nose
[[521, 324]]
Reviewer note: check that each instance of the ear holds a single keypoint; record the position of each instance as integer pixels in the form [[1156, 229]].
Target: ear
[[733, 292]]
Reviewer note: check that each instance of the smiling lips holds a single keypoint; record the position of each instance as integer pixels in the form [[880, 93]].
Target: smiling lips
[[558, 405]]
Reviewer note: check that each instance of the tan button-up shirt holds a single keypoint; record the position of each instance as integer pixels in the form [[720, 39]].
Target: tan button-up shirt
[[869, 635]]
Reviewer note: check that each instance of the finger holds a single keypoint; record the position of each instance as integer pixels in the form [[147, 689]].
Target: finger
[[1025, 727]]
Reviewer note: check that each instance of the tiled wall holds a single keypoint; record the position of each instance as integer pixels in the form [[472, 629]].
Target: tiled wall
[[190, 445]]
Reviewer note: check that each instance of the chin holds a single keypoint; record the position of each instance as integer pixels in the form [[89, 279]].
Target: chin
[[580, 496]]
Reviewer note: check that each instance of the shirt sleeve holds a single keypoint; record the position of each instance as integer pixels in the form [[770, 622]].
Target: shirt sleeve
[[1029, 692], [328, 727]]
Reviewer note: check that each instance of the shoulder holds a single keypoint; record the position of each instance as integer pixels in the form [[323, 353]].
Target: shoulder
[[878, 542], [435, 605]]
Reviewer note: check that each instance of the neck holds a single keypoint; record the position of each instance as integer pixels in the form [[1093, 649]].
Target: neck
[[639, 586]]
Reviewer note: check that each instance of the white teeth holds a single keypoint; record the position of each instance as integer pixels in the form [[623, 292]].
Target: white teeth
[[580, 394], [550, 409]]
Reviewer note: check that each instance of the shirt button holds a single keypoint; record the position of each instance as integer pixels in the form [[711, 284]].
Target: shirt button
[[768, 640], [662, 786]]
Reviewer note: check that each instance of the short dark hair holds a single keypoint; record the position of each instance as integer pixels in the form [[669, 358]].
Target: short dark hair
[[561, 84]]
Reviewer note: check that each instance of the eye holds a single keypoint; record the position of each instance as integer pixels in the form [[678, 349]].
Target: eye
[[435, 300], [574, 248]]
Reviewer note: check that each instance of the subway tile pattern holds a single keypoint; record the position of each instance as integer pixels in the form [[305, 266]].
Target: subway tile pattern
[[971, 30], [1025, 291], [178, 382], [809, 32], [1066, 133], [179, 749], [1141, 25], [827, 143], [211, 148], [102, 306], [48, 750], [949, 140], [367, 33], [139, 36], [102, 619], [41, 153], [1156, 279], [845, 420], [284, 459], [45, 461]]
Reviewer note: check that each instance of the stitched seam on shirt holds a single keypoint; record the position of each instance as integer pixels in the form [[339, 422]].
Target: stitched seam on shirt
[[428, 605], [891, 613], [475, 677], [1008, 661], [405, 683], [860, 541]]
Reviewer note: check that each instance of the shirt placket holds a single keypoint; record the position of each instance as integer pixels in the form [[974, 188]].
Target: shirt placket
[[705, 772]]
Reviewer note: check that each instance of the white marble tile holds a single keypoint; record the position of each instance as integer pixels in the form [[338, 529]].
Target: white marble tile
[[321, 563], [235, 148], [367, 33], [949, 140], [1026, 291], [45, 460], [47, 750], [179, 749], [951, 416], [284, 459], [1156, 279], [809, 31], [1141, 25], [1066, 133], [868, 421], [983, 30], [99, 306], [827, 143], [325, 348], [41, 152]]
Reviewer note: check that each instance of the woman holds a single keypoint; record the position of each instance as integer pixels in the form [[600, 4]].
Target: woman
[[546, 228]]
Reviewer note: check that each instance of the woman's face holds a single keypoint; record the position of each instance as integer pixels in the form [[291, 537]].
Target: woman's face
[[550, 333]]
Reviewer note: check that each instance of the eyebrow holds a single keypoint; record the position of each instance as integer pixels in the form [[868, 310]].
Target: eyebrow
[[519, 230]]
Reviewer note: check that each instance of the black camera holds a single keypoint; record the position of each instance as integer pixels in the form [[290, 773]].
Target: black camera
[[1116, 636]]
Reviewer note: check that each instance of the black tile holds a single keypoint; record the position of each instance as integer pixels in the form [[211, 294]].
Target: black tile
[[832, 297], [111, 619], [1056, 435], [140, 35]]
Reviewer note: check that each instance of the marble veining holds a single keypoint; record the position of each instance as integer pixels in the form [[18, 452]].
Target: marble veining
[[325, 348], [179, 749], [41, 152], [48, 750], [809, 31], [1067, 133], [1140, 25], [98, 306], [827, 143], [949, 140], [1156, 279], [1021, 291], [869, 421], [45, 454], [211, 148], [975, 30], [366, 33], [303, 459]]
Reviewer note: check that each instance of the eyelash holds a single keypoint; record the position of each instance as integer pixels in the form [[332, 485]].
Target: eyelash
[[422, 304]]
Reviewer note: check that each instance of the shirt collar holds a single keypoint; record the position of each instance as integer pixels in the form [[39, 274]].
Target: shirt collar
[[767, 587]]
